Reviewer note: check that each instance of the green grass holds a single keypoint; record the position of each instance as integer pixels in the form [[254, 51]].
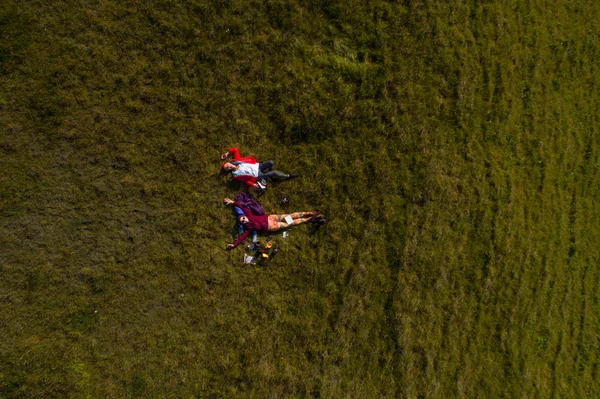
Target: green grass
[[453, 147]]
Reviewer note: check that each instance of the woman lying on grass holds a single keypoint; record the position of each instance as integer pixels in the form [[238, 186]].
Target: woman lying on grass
[[269, 223], [249, 171]]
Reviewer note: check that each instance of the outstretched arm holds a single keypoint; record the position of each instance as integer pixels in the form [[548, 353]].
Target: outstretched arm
[[229, 201], [238, 240], [233, 151], [242, 207]]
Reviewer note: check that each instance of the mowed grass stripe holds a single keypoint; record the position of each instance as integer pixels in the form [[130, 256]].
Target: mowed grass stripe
[[452, 147]]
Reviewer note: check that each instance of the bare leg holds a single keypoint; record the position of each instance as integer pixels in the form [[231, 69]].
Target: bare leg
[[277, 222], [295, 215], [295, 222], [303, 215]]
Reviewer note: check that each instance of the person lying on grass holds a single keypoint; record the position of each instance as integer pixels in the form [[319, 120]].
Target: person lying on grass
[[269, 223], [249, 171]]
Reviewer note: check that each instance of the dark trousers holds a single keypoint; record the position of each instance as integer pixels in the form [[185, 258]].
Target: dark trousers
[[265, 171]]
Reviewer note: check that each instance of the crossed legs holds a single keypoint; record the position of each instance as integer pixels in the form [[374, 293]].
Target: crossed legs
[[277, 222], [266, 171]]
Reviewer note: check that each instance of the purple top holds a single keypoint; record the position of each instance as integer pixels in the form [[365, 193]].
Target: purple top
[[256, 223]]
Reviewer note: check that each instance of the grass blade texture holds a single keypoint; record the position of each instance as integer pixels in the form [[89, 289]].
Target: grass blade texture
[[453, 147]]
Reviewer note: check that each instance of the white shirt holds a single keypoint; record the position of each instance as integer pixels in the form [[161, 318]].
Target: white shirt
[[246, 169]]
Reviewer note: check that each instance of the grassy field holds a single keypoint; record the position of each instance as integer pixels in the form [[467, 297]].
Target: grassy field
[[453, 146]]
